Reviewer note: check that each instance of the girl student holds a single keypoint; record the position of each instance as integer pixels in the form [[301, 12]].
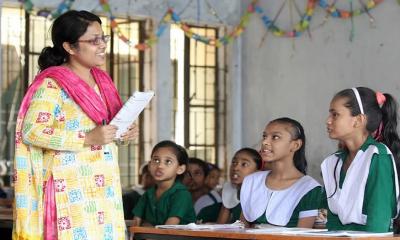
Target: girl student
[[361, 177], [244, 162], [168, 202], [284, 195], [212, 180], [206, 203]]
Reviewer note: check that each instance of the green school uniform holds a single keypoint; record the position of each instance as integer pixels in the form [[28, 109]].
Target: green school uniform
[[310, 201], [211, 212], [235, 213], [380, 195], [129, 201], [175, 202]]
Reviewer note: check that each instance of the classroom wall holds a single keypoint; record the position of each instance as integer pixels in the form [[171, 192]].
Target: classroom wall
[[298, 78]]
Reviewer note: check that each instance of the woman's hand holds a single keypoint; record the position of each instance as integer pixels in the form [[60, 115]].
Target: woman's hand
[[101, 135], [131, 134]]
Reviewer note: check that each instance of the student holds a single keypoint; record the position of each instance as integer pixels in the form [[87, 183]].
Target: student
[[206, 203], [285, 195], [66, 173], [131, 198], [212, 179], [361, 177], [168, 202], [244, 162]]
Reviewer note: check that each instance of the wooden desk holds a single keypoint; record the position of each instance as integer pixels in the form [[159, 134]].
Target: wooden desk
[[177, 234]]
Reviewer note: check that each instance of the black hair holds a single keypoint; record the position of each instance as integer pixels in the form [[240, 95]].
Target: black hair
[[68, 27], [212, 167], [386, 114], [254, 154], [178, 150], [202, 164], [297, 132], [375, 115], [145, 169]]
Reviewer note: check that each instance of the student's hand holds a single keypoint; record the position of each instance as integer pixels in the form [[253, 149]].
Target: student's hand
[[244, 221], [131, 134], [136, 222], [306, 222], [101, 135], [172, 221], [147, 224]]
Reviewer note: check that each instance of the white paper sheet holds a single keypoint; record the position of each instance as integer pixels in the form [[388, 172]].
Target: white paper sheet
[[316, 232], [193, 226], [130, 111]]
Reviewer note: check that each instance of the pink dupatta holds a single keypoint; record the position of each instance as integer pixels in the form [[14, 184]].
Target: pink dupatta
[[80, 92]]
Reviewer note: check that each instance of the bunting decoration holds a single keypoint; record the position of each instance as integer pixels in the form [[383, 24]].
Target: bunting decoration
[[113, 23], [344, 14], [171, 16], [297, 30], [63, 7]]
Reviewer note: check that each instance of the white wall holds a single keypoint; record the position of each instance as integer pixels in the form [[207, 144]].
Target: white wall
[[279, 81]]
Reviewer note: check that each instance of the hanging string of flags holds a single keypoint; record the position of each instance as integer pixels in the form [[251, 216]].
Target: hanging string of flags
[[171, 16]]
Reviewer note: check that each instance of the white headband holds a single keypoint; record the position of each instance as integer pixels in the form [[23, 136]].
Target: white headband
[[358, 99]]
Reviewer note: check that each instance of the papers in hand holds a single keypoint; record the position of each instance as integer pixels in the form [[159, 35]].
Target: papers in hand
[[130, 111], [194, 226]]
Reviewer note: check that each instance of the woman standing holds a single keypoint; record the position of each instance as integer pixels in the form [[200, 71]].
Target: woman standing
[[67, 183]]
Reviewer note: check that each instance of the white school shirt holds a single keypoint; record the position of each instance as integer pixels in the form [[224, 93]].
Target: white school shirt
[[257, 199], [229, 195], [347, 202]]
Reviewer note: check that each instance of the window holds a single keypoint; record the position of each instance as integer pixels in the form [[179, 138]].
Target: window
[[12, 70], [199, 94], [20, 53]]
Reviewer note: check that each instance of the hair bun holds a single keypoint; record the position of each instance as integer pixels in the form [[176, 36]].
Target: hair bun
[[50, 56]]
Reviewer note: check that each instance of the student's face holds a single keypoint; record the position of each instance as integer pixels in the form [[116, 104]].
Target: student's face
[[87, 54], [241, 166], [277, 143], [194, 181], [164, 166], [147, 180], [212, 179], [340, 124]]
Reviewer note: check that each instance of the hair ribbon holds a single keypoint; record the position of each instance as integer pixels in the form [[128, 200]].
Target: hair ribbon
[[360, 105]]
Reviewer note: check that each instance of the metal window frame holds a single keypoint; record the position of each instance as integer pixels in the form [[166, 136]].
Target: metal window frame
[[187, 106]]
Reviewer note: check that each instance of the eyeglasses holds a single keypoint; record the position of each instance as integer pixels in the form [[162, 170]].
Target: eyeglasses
[[97, 40]]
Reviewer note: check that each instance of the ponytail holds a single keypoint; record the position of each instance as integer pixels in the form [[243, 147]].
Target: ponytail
[[389, 133], [51, 57]]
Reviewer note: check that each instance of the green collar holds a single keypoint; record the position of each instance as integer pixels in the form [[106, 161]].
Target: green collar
[[342, 154]]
